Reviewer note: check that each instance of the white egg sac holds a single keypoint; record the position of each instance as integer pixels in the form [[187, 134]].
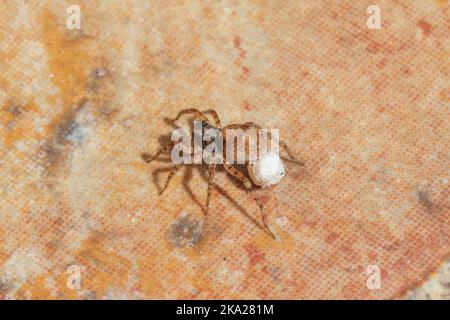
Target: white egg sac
[[267, 170]]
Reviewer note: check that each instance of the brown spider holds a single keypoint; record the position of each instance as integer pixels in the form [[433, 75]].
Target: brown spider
[[247, 183]]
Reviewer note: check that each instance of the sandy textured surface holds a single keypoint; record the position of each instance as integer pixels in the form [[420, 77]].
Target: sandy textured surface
[[366, 110]]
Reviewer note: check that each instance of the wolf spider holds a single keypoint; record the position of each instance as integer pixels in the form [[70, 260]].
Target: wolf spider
[[230, 169]]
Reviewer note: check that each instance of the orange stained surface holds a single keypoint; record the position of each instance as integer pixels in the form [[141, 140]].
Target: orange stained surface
[[366, 110]]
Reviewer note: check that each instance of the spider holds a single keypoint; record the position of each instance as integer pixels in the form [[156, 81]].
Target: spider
[[248, 182]]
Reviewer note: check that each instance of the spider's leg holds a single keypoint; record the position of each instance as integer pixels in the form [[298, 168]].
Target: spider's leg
[[289, 153], [148, 158], [211, 171], [248, 185], [235, 126], [215, 116], [173, 170], [298, 162], [192, 111]]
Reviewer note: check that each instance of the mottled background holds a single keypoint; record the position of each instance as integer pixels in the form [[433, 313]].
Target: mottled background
[[366, 110]]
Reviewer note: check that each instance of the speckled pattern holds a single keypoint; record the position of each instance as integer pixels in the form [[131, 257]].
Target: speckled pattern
[[366, 110]]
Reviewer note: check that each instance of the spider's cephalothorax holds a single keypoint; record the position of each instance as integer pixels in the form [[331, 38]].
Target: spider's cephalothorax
[[206, 136], [268, 169]]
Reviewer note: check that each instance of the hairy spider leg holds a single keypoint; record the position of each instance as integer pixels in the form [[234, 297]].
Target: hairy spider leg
[[215, 116], [211, 167], [211, 172], [168, 147], [202, 116], [248, 185], [172, 172], [148, 158]]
